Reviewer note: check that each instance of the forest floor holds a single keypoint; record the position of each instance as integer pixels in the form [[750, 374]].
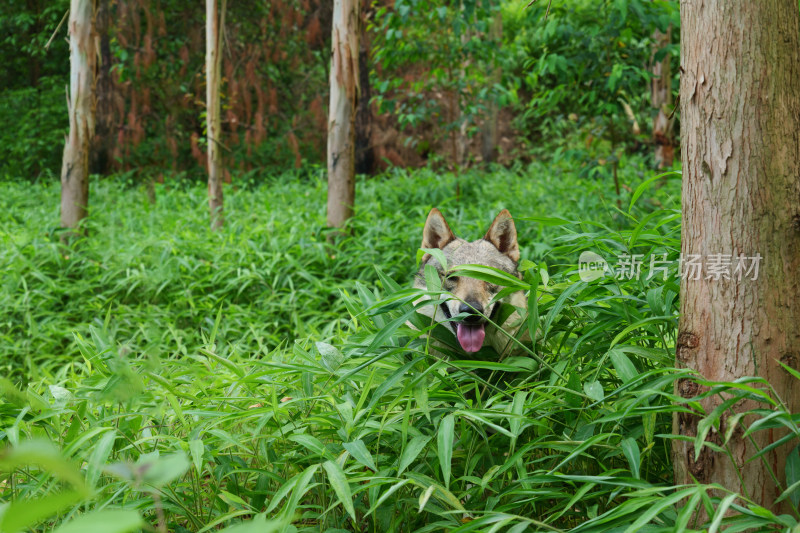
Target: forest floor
[[202, 378]]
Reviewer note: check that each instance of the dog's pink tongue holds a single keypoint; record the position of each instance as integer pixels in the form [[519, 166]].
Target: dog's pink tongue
[[470, 336]]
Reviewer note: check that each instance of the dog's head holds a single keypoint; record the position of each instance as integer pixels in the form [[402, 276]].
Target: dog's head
[[498, 249]]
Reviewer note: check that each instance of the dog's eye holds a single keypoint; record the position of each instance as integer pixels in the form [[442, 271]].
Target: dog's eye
[[493, 288], [450, 283]]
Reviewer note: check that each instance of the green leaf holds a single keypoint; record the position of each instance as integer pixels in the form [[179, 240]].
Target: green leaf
[[594, 390], [631, 450], [360, 453], [340, 486], [297, 485], [643, 186], [386, 495], [259, 524], [22, 514], [438, 255], [654, 510], [411, 451], [196, 449], [312, 443], [163, 470], [425, 496], [105, 521], [793, 473], [549, 221], [330, 356], [99, 456], [490, 275], [719, 514], [625, 369], [432, 280], [444, 441], [45, 455]]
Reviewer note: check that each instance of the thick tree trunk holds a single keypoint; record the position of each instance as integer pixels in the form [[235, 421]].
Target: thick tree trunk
[[214, 22], [75, 166], [100, 157], [661, 99], [740, 113], [342, 111]]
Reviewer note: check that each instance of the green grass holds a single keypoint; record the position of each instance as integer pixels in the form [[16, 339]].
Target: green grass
[[156, 276], [162, 377]]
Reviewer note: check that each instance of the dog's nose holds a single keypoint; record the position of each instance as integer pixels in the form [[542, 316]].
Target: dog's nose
[[473, 310]]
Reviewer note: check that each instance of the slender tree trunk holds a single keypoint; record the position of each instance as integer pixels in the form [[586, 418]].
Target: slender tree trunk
[[342, 112], [75, 166], [214, 23], [740, 113], [100, 158], [661, 99], [365, 155], [489, 130], [34, 68], [462, 141]]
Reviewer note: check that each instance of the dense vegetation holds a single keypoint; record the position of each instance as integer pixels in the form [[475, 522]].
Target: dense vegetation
[[194, 379], [160, 376]]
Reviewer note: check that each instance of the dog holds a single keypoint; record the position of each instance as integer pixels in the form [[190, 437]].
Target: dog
[[472, 297]]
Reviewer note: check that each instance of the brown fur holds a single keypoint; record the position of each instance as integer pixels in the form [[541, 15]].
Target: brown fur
[[498, 248]]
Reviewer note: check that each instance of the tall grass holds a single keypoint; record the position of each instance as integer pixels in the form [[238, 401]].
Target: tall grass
[[167, 378]]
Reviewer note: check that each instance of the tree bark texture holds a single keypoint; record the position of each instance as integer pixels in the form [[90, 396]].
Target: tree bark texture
[[661, 99], [740, 113], [75, 165], [214, 21], [365, 154], [342, 111], [100, 156]]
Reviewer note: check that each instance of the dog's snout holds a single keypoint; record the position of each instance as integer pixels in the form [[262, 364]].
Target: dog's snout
[[473, 310]]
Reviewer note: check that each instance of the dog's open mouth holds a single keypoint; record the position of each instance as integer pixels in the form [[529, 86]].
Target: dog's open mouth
[[470, 336]]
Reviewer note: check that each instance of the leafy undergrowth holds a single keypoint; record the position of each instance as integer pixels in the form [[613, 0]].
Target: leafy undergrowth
[[257, 380], [154, 276]]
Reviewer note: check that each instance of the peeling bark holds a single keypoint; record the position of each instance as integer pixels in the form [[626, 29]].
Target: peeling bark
[[342, 112], [81, 102], [740, 113]]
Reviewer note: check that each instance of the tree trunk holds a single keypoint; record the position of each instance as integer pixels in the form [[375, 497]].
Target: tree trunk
[[661, 99], [740, 113], [100, 158], [462, 141], [342, 112], [365, 155], [35, 65], [214, 24], [75, 166], [489, 129]]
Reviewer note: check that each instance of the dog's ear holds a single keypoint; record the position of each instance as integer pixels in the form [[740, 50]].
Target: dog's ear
[[436, 234], [503, 235]]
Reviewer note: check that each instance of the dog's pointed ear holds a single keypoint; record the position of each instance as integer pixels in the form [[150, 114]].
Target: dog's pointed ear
[[503, 235], [436, 234]]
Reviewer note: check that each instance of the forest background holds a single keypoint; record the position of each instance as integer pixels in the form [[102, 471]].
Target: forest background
[[442, 84]]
